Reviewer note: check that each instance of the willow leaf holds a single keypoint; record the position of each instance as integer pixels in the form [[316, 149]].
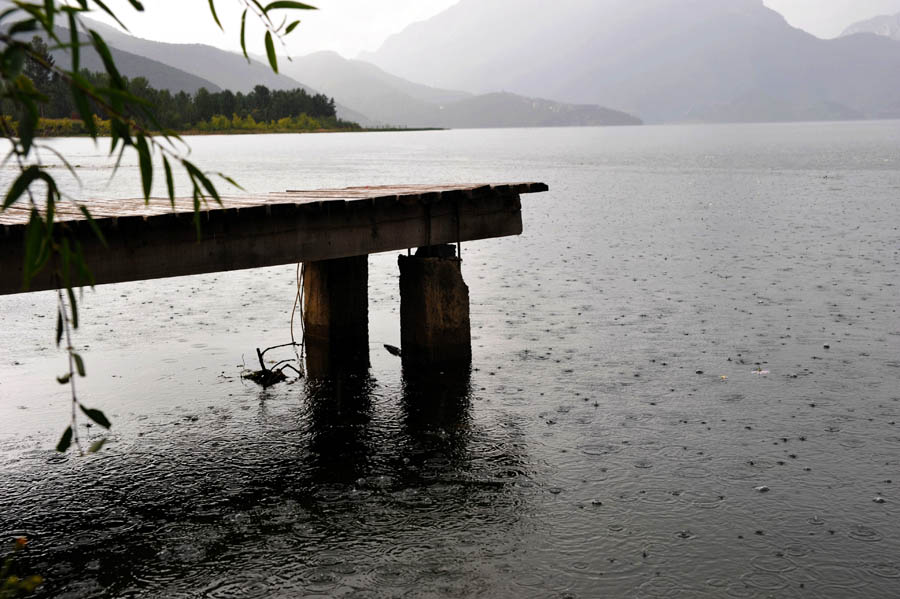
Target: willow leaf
[[97, 416], [270, 52], [243, 36], [287, 4], [146, 166], [170, 183], [79, 364], [65, 441], [212, 9]]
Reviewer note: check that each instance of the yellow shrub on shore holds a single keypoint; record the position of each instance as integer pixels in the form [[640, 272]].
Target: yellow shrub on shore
[[217, 124], [301, 123], [64, 127]]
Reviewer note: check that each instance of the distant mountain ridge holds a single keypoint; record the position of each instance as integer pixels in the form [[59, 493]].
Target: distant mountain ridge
[[224, 69], [391, 100], [158, 74], [884, 25], [663, 60], [357, 79], [503, 109]]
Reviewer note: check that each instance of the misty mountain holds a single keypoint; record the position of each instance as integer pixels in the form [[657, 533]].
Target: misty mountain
[[510, 110], [391, 100], [160, 76], [884, 25], [358, 82], [663, 60]]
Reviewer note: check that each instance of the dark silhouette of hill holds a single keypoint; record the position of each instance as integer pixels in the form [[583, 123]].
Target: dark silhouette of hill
[[158, 74], [220, 69], [224, 69]]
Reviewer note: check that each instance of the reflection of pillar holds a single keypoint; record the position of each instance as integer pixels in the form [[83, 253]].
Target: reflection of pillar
[[434, 310], [339, 412], [436, 415], [336, 315]]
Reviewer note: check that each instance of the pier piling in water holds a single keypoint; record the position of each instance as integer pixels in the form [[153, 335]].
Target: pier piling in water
[[434, 309], [336, 314]]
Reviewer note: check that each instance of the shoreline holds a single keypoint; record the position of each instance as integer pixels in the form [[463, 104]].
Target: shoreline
[[53, 127], [199, 132], [303, 131]]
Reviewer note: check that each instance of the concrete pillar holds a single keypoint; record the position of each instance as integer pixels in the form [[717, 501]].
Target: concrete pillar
[[434, 310], [336, 316]]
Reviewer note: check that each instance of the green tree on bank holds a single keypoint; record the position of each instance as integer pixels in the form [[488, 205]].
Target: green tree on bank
[[260, 110]]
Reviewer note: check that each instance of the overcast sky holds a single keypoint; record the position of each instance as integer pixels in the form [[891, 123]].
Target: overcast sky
[[352, 26], [345, 26]]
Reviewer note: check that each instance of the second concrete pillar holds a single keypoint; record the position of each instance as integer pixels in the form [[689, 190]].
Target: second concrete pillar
[[434, 310]]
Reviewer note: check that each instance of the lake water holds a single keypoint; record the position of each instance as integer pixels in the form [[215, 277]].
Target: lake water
[[692, 313]]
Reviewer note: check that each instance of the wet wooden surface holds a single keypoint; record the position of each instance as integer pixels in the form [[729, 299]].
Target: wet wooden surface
[[316, 199], [151, 240]]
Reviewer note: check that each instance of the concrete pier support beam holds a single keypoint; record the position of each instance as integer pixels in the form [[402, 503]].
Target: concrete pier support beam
[[336, 315], [434, 310]]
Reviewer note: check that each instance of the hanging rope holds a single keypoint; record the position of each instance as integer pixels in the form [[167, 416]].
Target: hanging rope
[[266, 376], [299, 301], [458, 241]]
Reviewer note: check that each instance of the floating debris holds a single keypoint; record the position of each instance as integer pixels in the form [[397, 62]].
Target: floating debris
[[265, 376]]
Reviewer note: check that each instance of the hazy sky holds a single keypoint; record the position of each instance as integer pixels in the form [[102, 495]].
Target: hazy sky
[[352, 26], [345, 26]]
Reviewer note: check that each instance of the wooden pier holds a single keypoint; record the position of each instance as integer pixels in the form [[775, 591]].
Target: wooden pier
[[329, 230]]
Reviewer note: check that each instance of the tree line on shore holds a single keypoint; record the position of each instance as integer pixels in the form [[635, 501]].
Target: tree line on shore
[[259, 110]]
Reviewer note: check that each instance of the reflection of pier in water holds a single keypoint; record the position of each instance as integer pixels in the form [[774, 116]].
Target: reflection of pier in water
[[331, 231], [435, 420], [425, 446]]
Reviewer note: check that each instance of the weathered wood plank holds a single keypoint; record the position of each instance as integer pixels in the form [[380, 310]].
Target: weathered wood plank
[[151, 241]]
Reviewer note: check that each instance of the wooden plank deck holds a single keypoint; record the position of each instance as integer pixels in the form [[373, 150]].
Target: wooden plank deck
[[151, 240]]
